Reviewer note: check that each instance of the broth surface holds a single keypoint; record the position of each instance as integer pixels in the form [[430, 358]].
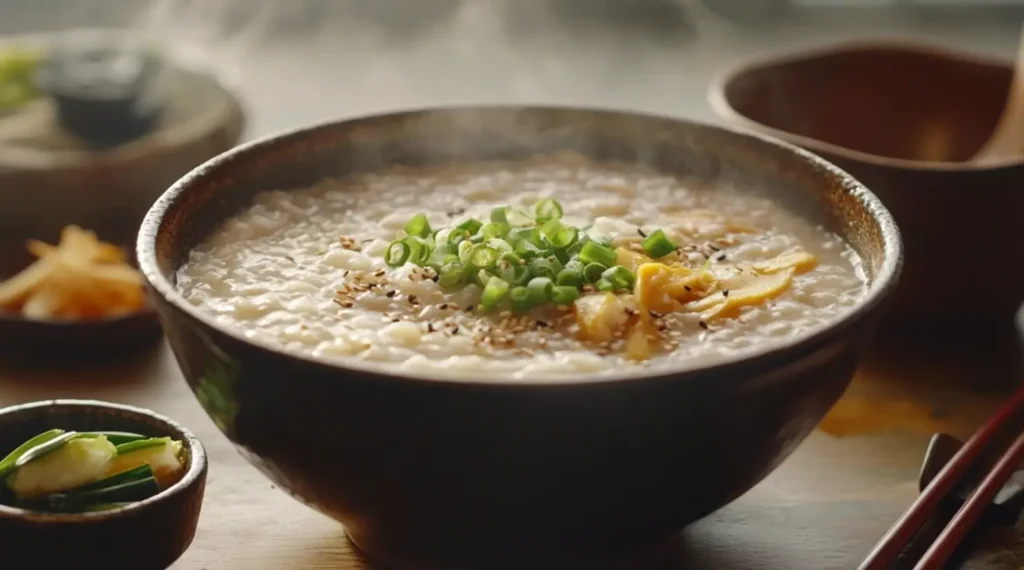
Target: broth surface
[[304, 269]]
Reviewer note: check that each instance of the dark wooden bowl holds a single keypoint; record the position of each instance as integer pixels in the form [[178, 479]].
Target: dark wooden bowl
[[100, 339], [428, 472], [902, 118], [150, 534]]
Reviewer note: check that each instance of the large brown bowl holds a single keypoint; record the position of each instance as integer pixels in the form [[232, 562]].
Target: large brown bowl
[[149, 534], [432, 472], [903, 118]]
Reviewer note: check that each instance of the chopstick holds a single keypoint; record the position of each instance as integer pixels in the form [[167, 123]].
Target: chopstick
[[969, 513], [888, 548]]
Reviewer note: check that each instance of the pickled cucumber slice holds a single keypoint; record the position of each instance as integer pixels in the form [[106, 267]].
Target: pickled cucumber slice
[[63, 463]]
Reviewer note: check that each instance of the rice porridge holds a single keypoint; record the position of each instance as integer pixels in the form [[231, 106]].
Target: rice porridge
[[551, 267]]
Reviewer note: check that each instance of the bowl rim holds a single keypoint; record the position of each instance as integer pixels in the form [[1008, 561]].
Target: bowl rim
[[196, 470], [175, 53], [879, 289], [716, 96]]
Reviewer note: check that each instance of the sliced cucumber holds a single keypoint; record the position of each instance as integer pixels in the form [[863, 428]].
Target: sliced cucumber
[[8, 463], [65, 462]]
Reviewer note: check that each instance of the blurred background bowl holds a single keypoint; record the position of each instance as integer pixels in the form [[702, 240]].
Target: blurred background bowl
[[47, 182], [902, 118]]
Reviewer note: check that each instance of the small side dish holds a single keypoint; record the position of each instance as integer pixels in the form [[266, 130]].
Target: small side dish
[[80, 278], [72, 472]]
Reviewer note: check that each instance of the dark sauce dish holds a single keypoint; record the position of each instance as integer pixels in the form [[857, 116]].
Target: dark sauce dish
[[106, 95], [149, 534], [438, 472]]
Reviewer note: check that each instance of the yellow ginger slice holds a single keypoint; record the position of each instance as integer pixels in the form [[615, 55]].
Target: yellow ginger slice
[[755, 289]]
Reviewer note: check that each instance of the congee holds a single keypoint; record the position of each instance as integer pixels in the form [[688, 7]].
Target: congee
[[552, 267]]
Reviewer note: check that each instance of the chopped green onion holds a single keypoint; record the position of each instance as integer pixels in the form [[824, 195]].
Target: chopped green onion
[[510, 268], [558, 235], [495, 230], [397, 254], [520, 297], [564, 295], [540, 289], [542, 267], [470, 226], [498, 215], [548, 209], [518, 218], [594, 252], [481, 277], [482, 257], [604, 285], [658, 245], [452, 276], [500, 245], [418, 226], [526, 249], [570, 277], [458, 236], [619, 277], [494, 292], [593, 271], [419, 250]]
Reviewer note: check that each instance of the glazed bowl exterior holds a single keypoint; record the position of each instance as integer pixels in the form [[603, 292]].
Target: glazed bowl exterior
[[903, 118], [148, 534], [431, 472]]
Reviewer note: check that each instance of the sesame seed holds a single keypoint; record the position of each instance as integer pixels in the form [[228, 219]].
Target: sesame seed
[[721, 257], [413, 300], [688, 288], [725, 293], [703, 325], [641, 232]]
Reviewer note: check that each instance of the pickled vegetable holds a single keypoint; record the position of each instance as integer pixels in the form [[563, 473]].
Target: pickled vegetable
[[67, 471]]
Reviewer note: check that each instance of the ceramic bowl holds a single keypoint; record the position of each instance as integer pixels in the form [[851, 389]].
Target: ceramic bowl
[[47, 182], [75, 341], [148, 534], [433, 472], [903, 118]]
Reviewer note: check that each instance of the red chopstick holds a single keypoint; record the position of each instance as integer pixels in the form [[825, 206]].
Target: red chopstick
[[888, 549], [968, 515]]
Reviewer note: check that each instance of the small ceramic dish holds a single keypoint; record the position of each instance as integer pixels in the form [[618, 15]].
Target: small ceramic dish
[[152, 533], [904, 118], [100, 338], [49, 179]]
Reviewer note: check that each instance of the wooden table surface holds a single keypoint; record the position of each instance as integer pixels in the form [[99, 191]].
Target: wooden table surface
[[821, 510]]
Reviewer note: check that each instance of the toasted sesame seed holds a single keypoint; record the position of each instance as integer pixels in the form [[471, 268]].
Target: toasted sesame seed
[[641, 232], [703, 325], [725, 293], [688, 288], [721, 257]]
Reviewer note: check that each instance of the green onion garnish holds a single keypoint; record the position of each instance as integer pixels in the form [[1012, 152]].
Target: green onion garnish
[[511, 269], [495, 230], [564, 295], [482, 257], [542, 267], [452, 276], [594, 252], [418, 226], [604, 285], [658, 245], [593, 271], [540, 289], [619, 277], [419, 250], [397, 254], [558, 235], [520, 298], [470, 226], [548, 209], [494, 293], [570, 277]]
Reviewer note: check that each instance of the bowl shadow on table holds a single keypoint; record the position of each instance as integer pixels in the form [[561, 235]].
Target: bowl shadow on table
[[903, 118]]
